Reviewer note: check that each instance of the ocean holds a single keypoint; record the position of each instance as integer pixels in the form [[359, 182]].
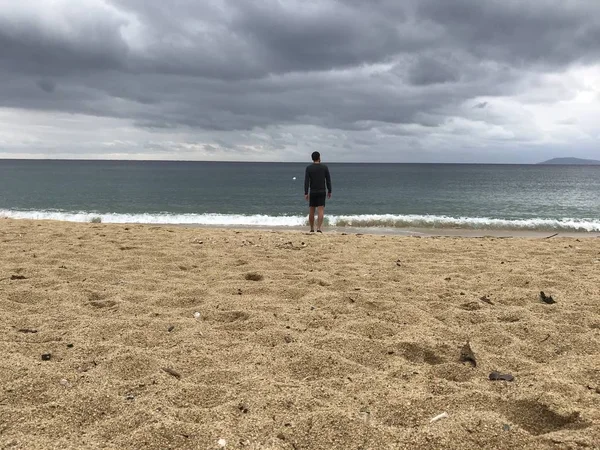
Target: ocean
[[398, 196]]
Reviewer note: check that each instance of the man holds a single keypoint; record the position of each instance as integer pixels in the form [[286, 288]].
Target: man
[[316, 179]]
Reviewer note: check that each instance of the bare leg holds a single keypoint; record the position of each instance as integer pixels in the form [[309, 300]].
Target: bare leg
[[321, 214], [311, 217]]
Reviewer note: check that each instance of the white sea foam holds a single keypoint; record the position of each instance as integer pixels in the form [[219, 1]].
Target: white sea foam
[[367, 221], [430, 221], [160, 218]]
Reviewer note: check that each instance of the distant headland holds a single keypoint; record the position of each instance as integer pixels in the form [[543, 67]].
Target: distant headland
[[572, 161]]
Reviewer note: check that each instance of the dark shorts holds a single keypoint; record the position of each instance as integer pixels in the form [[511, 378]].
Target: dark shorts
[[317, 199]]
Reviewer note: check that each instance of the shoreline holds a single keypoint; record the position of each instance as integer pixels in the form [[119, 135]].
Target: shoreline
[[374, 231], [406, 232]]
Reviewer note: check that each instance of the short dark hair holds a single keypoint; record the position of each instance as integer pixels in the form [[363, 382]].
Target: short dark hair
[[315, 156]]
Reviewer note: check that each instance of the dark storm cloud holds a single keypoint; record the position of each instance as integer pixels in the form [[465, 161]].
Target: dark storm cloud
[[46, 85], [233, 65], [41, 48], [552, 33]]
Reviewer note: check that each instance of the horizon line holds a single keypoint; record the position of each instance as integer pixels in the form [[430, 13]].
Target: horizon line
[[273, 162]]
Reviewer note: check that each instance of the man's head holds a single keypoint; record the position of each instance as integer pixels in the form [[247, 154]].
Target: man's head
[[316, 156]]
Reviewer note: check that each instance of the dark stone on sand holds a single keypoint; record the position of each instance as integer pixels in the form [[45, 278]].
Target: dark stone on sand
[[546, 298], [253, 276], [46, 356], [171, 328], [243, 408], [18, 277], [497, 376], [467, 355], [69, 345]]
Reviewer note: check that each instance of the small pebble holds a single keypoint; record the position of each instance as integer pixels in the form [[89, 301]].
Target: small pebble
[[497, 376], [197, 315], [46, 356], [222, 443]]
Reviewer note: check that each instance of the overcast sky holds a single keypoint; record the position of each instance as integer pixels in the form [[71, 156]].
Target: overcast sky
[[505, 81]]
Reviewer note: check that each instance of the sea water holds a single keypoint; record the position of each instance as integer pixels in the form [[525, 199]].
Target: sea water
[[470, 196]]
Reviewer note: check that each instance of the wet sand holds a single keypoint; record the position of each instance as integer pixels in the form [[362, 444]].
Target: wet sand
[[333, 341]]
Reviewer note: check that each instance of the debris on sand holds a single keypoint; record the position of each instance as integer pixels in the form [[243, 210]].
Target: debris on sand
[[46, 356], [546, 298], [172, 372], [253, 276], [467, 355], [439, 417], [497, 376], [18, 277], [27, 330], [486, 300]]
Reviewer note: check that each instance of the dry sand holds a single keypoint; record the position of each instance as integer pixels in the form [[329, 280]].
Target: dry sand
[[347, 342]]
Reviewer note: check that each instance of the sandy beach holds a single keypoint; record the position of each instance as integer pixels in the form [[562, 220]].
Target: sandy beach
[[165, 337]]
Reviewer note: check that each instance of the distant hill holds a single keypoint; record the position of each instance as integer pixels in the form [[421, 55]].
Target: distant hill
[[572, 161]]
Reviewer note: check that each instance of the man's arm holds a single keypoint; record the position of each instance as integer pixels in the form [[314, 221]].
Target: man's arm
[[328, 181], [306, 182]]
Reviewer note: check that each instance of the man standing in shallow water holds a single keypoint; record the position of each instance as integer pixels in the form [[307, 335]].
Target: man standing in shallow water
[[316, 178]]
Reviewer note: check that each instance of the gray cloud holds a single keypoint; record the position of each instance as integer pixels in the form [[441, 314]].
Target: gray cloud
[[46, 85], [428, 70], [225, 67]]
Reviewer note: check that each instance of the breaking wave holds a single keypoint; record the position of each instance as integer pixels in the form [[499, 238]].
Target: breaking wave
[[355, 221]]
